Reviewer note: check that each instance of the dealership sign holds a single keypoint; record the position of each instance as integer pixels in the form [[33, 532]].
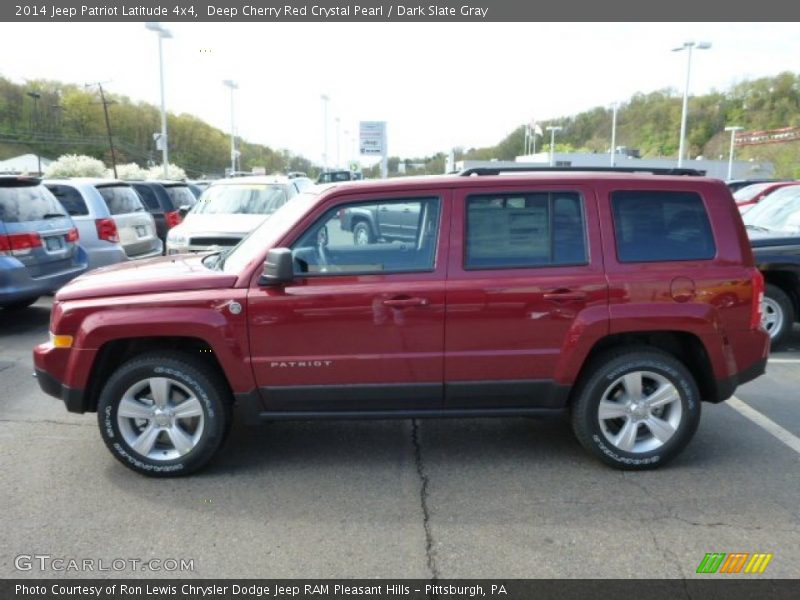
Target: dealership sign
[[372, 137]]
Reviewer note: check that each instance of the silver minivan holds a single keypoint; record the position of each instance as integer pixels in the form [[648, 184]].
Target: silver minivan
[[113, 224]]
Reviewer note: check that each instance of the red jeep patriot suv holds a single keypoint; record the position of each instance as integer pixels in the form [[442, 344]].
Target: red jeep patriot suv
[[624, 300]]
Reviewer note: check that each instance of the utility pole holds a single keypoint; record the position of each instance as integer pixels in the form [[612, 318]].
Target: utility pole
[[35, 123], [108, 125]]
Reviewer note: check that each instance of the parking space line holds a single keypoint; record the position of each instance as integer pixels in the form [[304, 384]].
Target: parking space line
[[785, 360], [765, 423]]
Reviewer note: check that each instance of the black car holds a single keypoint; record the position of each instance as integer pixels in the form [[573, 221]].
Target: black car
[[334, 176], [164, 200]]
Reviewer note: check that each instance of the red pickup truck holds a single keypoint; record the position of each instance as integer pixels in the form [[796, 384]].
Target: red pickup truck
[[622, 300]]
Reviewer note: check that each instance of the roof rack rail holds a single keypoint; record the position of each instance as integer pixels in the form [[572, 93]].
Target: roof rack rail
[[652, 170]]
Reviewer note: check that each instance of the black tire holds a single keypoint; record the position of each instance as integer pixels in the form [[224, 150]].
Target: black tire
[[362, 231], [185, 373], [778, 302], [600, 378], [22, 304]]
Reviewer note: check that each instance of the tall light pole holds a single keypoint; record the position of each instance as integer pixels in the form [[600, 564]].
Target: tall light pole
[[688, 46], [733, 129], [233, 86], [338, 144], [163, 34], [614, 134], [325, 99], [552, 131]]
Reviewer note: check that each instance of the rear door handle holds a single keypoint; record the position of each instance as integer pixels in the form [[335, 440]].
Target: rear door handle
[[405, 302], [560, 296]]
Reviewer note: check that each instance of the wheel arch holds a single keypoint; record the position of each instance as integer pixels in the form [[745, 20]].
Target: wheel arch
[[686, 347], [111, 355]]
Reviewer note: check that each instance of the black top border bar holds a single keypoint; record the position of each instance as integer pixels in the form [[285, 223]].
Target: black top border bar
[[393, 11]]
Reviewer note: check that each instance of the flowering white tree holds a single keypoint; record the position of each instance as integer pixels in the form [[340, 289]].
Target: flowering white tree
[[75, 165], [174, 172], [128, 172]]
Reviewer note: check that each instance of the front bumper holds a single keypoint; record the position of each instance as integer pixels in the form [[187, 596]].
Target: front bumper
[[73, 399]]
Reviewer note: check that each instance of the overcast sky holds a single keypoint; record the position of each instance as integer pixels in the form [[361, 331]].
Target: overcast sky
[[437, 85]]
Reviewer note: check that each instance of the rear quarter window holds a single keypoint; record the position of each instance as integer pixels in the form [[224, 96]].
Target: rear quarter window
[[28, 203], [70, 199], [658, 226], [121, 199]]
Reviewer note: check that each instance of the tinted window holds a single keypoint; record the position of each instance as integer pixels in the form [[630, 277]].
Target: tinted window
[[525, 230], [28, 203], [148, 197], [121, 199], [70, 199], [180, 195], [330, 247], [244, 199], [659, 226]]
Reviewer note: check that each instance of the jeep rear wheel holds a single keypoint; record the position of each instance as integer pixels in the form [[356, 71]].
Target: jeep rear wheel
[[164, 414], [636, 408], [777, 313]]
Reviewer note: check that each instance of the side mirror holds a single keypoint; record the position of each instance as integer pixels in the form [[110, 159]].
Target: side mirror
[[278, 268], [183, 210]]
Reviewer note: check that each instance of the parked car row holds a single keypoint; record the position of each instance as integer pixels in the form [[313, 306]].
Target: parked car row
[[54, 230]]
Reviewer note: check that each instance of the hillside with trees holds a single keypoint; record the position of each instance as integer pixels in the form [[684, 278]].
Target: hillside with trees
[[650, 122], [52, 118]]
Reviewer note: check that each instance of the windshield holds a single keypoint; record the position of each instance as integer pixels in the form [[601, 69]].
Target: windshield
[[120, 199], [241, 199], [180, 195], [28, 203], [269, 232], [779, 211]]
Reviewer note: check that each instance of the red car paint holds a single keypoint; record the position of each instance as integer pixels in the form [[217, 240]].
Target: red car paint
[[447, 331]]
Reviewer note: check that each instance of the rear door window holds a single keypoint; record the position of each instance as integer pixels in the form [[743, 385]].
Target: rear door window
[[523, 230], [19, 204], [121, 199], [657, 226], [70, 199]]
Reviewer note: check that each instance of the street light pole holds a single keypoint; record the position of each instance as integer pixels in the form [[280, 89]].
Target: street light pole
[[688, 46], [325, 99], [233, 86], [614, 135], [733, 129], [163, 33], [338, 145], [552, 131]]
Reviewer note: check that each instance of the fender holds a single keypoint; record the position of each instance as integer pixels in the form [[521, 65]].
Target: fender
[[208, 320]]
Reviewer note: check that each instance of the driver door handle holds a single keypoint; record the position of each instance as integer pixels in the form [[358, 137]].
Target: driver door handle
[[405, 302]]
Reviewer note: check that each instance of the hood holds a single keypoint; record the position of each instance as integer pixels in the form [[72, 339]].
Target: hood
[[219, 224], [165, 274]]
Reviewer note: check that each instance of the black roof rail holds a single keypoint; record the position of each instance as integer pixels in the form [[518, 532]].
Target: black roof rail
[[652, 170]]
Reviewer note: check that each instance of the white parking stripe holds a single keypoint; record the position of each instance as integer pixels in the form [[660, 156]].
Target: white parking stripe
[[785, 360], [765, 422]]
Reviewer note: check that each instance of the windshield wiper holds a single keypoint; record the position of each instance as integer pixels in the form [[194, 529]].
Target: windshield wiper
[[54, 216], [756, 227]]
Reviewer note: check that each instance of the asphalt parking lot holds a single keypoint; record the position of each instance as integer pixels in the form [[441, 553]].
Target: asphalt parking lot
[[501, 498]]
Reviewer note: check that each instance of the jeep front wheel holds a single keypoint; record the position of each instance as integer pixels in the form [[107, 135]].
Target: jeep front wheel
[[163, 414], [636, 409]]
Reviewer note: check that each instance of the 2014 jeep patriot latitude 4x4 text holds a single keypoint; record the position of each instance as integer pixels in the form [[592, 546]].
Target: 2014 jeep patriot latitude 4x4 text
[[624, 300]]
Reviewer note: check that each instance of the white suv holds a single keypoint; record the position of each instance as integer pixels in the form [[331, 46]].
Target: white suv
[[229, 209]]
